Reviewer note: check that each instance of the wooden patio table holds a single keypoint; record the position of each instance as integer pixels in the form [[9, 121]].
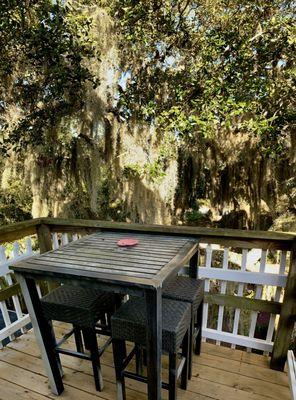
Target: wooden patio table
[[97, 261]]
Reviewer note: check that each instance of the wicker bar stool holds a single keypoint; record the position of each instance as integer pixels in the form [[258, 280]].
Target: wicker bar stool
[[82, 308], [190, 290], [128, 323]]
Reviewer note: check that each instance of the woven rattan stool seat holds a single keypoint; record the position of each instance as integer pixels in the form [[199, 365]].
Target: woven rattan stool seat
[[129, 322], [78, 306], [187, 289]]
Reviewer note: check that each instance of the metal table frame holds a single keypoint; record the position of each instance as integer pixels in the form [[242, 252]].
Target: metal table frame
[[150, 289]]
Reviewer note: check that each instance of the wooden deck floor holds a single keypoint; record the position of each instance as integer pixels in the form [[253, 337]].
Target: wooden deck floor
[[219, 373]]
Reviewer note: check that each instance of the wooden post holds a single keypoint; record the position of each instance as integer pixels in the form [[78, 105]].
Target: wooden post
[[45, 244], [287, 318], [44, 238]]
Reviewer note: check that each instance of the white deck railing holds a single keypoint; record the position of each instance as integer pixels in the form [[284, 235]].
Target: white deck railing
[[13, 317], [225, 271], [267, 280], [12, 309]]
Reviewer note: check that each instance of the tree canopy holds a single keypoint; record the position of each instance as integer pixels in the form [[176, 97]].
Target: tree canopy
[[210, 87], [191, 67], [44, 45], [202, 67]]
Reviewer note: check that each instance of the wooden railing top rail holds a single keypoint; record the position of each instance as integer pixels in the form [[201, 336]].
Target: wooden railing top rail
[[179, 230], [18, 230], [21, 229]]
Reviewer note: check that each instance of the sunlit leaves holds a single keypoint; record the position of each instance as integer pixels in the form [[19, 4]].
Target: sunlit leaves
[[202, 67], [42, 73]]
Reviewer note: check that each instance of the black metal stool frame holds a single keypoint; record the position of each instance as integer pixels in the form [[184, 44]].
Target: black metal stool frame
[[121, 361], [87, 318], [195, 335], [91, 344], [195, 338], [129, 323]]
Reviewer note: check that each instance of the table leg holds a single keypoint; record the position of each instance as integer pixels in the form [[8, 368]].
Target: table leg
[[193, 265], [43, 333], [154, 342]]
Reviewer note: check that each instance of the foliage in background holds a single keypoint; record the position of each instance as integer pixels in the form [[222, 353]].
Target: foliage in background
[[155, 169], [42, 71], [15, 204], [199, 72], [200, 68]]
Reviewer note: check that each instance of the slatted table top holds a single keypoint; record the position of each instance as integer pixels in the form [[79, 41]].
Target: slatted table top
[[148, 263]]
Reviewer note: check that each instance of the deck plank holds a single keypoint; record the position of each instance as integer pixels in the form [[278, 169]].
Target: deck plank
[[12, 391], [218, 373], [214, 360]]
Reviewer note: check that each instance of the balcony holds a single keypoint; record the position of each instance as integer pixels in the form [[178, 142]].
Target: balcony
[[249, 314]]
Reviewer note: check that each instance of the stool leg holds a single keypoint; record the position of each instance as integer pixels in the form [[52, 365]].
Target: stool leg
[[139, 359], [118, 302], [191, 337], [78, 340], [198, 325], [144, 357], [172, 376], [119, 354], [86, 342], [185, 353], [91, 340]]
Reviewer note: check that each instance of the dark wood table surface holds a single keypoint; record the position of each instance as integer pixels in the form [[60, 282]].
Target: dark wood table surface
[[97, 261]]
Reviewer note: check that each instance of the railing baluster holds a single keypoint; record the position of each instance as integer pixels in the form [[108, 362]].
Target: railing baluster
[[6, 317], [208, 264], [3, 306], [55, 241], [222, 291], [65, 239], [258, 295], [277, 296], [240, 293], [15, 299], [28, 248]]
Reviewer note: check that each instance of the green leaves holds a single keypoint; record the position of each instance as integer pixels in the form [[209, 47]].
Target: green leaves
[[43, 73], [207, 67], [197, 69]]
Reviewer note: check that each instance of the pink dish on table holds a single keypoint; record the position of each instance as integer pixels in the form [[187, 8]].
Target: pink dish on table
[[127, 242]]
